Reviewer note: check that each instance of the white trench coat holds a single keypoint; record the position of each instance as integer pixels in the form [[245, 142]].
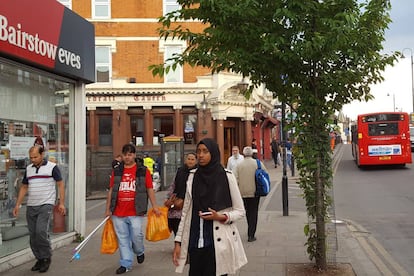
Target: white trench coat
[[230, 255]]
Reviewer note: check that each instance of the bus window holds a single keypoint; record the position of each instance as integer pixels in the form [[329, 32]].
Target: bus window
[[383, 129]]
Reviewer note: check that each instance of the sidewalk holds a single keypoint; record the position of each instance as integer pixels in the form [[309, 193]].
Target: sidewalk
[[280, 242]]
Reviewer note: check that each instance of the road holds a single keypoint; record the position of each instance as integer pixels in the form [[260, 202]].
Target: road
[[379, 202]]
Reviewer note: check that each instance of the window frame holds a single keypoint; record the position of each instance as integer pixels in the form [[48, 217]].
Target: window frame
[[101, 3], [170, 3], [103, 64], [179, 71]]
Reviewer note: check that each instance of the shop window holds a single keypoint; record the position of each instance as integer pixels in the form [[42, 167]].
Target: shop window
[[137, 130], [101, 9], [171, 5], [23, 77], [33, 110], [190, 123], [173, 76], [105, 131], [66, 3], [103, 63], [163, 126]]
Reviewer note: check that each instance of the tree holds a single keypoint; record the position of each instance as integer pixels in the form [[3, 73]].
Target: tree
[[318, 54]]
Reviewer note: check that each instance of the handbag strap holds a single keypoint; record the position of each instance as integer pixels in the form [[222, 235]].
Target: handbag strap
[[258, 164]]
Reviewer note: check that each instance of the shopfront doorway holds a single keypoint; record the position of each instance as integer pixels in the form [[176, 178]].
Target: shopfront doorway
[[233, 136]]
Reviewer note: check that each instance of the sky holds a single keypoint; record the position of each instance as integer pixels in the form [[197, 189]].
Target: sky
[[395, 92]]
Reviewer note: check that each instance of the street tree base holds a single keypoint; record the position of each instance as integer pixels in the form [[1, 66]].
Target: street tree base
[[309, 269]]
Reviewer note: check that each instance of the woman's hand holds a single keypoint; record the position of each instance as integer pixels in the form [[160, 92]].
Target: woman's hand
[[213, 216], [176, 253]]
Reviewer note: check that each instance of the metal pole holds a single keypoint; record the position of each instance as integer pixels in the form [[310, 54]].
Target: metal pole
[[412, 73], [393, 100], [285, 198], [412, 78]]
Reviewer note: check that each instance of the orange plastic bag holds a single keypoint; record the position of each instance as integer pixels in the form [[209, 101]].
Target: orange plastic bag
[[109, 243], [157, 226]]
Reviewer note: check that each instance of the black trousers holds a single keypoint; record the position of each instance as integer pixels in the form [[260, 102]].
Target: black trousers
[[203, 262], [251, 204], [173, 224]]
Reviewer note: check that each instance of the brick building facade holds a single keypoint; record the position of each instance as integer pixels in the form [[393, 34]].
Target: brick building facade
[[128, 104]]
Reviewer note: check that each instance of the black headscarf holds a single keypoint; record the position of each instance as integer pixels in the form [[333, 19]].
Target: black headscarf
[[210, 185]]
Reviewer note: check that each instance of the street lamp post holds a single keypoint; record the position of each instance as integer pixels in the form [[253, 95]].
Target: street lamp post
[[393, 100], [412, 76], [285, 196]]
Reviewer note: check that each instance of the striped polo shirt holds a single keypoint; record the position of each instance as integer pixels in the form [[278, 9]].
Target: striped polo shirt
[[42, 183]]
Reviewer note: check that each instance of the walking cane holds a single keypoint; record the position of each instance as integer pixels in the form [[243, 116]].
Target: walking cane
[[78, 248]]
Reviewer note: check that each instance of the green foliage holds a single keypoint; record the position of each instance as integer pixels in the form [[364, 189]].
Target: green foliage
[[317, 54], [78, 238]]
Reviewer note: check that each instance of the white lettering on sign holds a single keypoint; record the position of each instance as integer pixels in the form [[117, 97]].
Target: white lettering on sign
[[69, 58], [15, 35], [101, 98], [149, 98]]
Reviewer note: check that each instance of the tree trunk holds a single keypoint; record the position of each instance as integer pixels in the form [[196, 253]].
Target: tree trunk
[[320, 219]]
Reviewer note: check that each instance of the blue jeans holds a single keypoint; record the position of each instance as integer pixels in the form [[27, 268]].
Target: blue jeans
[[289, 159], [130, 238]]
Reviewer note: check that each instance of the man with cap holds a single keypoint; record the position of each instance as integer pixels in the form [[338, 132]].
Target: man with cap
[[245, 175]]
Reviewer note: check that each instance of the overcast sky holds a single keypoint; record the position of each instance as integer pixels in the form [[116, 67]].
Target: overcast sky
[[396, 90]]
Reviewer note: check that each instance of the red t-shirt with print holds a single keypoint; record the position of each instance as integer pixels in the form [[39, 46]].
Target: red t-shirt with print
[[125, 205]]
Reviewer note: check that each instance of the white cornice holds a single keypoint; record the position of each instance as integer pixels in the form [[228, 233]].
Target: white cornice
[[133, 20]]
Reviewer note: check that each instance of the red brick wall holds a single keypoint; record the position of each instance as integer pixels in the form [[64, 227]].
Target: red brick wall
[[133, 57]]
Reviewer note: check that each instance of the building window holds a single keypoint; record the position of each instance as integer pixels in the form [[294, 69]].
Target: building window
[[163, 126], [66, 3], [137, 130], [173, 76], [103, 63], [101, 9], [171, 5], [105, 131]]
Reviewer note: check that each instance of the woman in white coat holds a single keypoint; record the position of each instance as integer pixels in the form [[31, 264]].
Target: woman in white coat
[[207, 234]]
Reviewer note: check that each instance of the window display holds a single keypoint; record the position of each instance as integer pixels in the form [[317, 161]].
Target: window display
[[39, 115]]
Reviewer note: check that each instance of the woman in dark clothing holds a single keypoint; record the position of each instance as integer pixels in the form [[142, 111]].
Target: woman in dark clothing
[[177, 192], [206, 232]]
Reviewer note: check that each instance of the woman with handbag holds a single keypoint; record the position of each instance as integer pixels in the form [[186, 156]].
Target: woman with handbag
[[176, 195]]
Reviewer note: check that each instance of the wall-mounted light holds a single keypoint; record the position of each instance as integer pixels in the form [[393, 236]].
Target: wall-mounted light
[[118, 118], [204, 103], [243, 85]]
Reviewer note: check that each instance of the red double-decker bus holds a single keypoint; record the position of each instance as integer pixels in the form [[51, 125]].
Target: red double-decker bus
[[381, 139]]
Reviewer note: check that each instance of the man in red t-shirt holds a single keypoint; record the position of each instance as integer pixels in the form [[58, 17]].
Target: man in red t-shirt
[[127, 198]]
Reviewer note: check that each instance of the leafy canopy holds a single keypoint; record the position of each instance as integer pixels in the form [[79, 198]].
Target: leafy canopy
[[316, 55]]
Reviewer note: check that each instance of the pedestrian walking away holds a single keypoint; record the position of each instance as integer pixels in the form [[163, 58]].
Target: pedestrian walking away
[[39, 182], [127, 201], [245, 176], [176, 194], [207, 234], [275, 149]]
